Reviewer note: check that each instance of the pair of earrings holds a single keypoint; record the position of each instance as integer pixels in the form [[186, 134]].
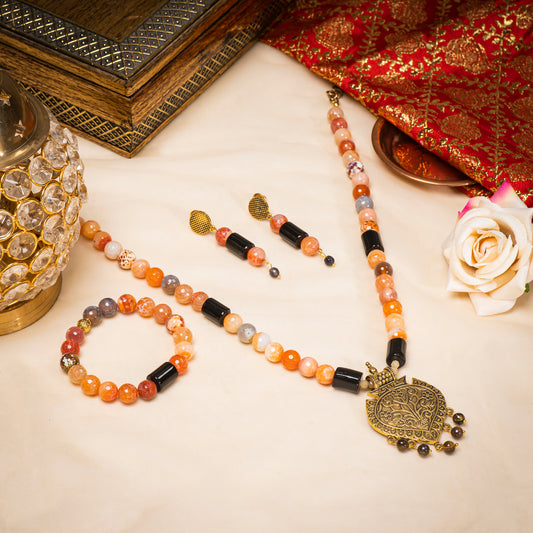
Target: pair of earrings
[[238, 245]]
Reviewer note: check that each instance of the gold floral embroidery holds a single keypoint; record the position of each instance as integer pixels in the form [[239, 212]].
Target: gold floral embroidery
[[404, 117], [523, 108], [335, 34], [469, 97], [395, 82], [467, 53], [405, 42], [460, 126], [524, 66], [524, 140], [410, 12]]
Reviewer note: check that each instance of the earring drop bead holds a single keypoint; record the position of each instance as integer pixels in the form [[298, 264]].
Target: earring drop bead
[[274, 272], [221, 235], [329, 260], [292, 234], [238, 245], [310, 245], [276, 222]]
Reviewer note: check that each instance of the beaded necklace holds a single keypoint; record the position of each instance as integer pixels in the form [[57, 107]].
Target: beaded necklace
[[410, 415]]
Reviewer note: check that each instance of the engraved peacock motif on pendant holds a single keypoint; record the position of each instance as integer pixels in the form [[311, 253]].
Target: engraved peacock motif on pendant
[[410, 413]]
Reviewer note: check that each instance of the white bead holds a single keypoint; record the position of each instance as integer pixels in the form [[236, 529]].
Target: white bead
[[112, 250], [261, 341]]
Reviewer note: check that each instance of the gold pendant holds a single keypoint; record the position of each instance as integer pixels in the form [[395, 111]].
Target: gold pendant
[[410, 415]]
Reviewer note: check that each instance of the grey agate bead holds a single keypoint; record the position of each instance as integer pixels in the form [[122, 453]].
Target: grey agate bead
[[363, 202], [169, 284], [245, 333]]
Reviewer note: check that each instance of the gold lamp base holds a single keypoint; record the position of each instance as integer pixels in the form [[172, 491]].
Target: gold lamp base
[[23, 314]]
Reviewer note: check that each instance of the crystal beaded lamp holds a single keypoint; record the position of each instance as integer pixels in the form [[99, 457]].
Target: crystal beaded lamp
[[41, 192]]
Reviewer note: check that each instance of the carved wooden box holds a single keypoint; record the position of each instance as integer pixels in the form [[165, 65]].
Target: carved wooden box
[[117, 71]]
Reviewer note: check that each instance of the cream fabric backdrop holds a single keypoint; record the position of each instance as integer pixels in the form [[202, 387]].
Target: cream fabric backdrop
[[239, 444]]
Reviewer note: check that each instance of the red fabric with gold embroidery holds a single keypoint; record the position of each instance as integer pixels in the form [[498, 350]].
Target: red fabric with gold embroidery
[[455, 75]]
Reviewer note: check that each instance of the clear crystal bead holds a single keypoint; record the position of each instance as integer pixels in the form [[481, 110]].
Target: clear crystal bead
[[55, 154], [32, 293], [47, 278], [16, 184], [40, 170], [30, 214], [6, 224], [72, 210], [82, 191], [69, 178], [41, 260], [75, 159], [62, 260], [74, 233], [22, 246], [16, 292], [57, 132], [53, 198], [53, 229], [71, 138], [13, 274]]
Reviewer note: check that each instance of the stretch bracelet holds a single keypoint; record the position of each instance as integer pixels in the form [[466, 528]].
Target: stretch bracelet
[[156, 381]]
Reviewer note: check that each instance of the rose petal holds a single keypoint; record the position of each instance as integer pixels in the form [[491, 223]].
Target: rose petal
[[513, 288], [505, 196], [504, 261], [485, 305]]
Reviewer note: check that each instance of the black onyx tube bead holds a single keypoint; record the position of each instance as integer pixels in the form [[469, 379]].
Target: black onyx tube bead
[[215, 311], [396, 349], [238, 245], [292, 234], [347, 379], [163, 376], [371, 241]]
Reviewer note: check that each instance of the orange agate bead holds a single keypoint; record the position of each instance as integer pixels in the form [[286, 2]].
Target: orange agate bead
[[139, 268], [184, 348], [394, 306], [100, 239], [375, 257], [180, 362], [256, 256], [383, 281], [145, 307], [397, 333], [147, 390], [290, 359], [197, 300], [90, 228], [90, 385], [273, 352], [154, 276], [127, 393], [324, 374], [310, 246], [232, 322], [161, 313], [126, 304], [183, 294], [276, 222], [108, 391], [76, 374], [369, 224], [393, 321], [308, 367], [182, 334]]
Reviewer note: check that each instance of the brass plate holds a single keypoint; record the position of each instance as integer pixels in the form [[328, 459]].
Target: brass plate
[[406, 157], [26, 313]]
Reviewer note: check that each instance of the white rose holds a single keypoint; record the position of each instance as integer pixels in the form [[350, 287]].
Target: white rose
[[490, 251]]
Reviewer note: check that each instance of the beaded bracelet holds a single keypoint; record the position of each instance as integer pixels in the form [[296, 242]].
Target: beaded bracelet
[[157, 380]]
